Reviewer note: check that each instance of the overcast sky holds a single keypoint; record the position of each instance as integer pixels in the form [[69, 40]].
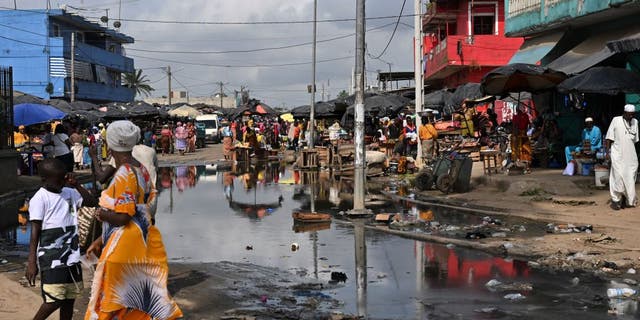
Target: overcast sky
[[273, 85]]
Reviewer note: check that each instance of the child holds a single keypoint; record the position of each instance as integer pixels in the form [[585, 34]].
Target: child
[[54, 239]]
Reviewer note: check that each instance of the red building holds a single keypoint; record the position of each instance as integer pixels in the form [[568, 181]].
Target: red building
[[464, 39]]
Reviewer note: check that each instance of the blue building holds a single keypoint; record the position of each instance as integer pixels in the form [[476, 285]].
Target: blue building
[[37, 44]]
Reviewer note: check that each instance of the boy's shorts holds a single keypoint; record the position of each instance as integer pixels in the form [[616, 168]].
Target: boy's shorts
[[61, 283]]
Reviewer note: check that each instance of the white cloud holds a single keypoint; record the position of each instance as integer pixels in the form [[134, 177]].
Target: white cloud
[[273, 85]]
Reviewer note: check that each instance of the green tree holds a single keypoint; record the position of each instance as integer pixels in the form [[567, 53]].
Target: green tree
[[138, 82], [343, 94]]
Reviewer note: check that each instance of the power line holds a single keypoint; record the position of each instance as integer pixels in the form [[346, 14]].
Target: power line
[[259, 49], [257, 22], [394, 31], [232, 22], [241, 66]]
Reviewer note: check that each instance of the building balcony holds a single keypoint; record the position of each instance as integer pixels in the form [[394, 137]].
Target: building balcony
[[457, 52], [98, 56], [527, 17], [438, 13], [93, 91]]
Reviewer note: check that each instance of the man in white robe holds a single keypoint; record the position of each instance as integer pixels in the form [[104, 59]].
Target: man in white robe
[[620, 145]]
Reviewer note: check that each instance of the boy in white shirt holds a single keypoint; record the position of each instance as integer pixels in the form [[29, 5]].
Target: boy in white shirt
[[54, 239]]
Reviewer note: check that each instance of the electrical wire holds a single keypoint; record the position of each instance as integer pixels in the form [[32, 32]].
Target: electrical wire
[[241, 66], [238, 22], [394, 31], [259, 49]]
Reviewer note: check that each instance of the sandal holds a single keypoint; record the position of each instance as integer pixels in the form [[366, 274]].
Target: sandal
[[615, 205]]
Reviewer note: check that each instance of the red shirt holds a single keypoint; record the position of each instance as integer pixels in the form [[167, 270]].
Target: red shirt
[[521, 121]]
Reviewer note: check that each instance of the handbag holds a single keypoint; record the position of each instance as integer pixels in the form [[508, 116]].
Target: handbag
[[89, 228]]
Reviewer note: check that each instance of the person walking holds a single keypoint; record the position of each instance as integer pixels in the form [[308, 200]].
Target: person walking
[[62, 147], [130, 280], [428, 135], [620, 147], [521, 145], [181, 135]]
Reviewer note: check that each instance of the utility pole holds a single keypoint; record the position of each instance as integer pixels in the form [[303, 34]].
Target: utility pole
[[312, 117], [169, 87], [417, 68], [73, 67], [358, 137], [323, 92], [221, 93]]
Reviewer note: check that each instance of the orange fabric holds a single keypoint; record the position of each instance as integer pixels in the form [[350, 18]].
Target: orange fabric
[[427, 132], [133, 256]]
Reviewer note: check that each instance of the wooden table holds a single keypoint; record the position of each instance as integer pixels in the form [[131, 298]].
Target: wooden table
[[489, 160]]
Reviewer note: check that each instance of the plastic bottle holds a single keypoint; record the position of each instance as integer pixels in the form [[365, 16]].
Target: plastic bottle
[[620, 292]]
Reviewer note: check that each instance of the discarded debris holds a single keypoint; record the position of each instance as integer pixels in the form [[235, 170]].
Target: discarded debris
[[475, 235], [514, 297], [603, 238], [249, 247], [496, 286], [620, 292], [295, 246], [338, 276], [568, 228], [575, 203], [631, 271]]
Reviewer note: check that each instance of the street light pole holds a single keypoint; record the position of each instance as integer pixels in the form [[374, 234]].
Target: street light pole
[[417, 65], [359, 175], [312, 117]]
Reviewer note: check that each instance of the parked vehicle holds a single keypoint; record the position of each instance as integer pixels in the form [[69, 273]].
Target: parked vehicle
[[211, 125], [200, 134]]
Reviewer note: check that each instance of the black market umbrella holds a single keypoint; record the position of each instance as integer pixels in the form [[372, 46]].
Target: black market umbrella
[[323, 110], [437, 99], [83, 105], [603, 80], [518, 77], [467, 91], [381, 105], [141, 109], [61, 105], [19, 98]]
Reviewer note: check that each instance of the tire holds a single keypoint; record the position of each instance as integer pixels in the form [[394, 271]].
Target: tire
[[444, 183]]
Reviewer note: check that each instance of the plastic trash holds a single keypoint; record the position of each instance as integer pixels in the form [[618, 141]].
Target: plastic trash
[[620, 292], [499, 234], [631, 271], [514, 296], [89, 260], [295, 246], [493, 283]]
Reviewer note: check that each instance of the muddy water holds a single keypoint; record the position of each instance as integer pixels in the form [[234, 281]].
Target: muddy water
[[209, 216]]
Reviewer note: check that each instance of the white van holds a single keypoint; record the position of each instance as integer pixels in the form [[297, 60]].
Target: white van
[[211, 125]]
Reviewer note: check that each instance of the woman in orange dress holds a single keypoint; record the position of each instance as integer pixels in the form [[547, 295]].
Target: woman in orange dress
[[130, 280]]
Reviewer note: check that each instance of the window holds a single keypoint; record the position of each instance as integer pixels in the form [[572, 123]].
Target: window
[[483, 24], [79, 37], [55, 30]]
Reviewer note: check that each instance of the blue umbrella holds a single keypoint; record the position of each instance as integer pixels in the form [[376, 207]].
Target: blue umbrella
[[30, 113]]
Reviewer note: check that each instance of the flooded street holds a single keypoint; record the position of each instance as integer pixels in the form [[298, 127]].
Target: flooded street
[[208, 216]]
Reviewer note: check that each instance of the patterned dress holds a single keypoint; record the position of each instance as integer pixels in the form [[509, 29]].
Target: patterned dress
[[130, 281]]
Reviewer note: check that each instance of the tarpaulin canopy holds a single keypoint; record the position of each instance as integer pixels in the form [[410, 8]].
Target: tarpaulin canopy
[[518, 77], [437, 99], [467, 91], [604, 80], [322, 110], [26, 114], [534, 49], [184, 112], [592, 50]]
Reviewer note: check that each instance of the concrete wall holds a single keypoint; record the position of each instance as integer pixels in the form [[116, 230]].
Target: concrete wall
[[8, 170], [526, 17]]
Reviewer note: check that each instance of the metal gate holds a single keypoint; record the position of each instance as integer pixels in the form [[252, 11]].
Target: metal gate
[[6, 108]]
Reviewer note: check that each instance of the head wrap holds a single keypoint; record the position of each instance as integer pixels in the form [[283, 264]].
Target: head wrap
[[588, 119], [20, 127], [101, 125], [179, 123], [122, 136], [629, 108]]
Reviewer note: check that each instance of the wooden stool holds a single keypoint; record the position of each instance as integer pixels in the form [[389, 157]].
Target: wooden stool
[[309, 159], [242, 154], [489, 160]]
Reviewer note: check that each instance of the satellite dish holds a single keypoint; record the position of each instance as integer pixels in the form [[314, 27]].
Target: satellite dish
[[117, 24], [104, 19]]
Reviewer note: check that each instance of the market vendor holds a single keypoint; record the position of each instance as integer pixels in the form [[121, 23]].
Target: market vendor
[[591, 135], [465, 116], [20, 138]]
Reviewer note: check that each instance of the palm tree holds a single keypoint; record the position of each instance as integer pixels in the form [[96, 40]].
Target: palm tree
[[138, 82]]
